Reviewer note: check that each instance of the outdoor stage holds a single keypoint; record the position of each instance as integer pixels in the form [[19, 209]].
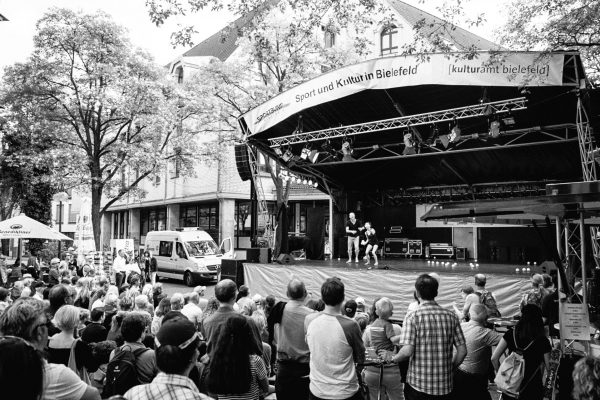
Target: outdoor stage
[[397, 283]]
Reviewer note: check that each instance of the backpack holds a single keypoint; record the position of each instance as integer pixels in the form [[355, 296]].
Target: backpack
[[511, 373], [121, 371], [489, 302]]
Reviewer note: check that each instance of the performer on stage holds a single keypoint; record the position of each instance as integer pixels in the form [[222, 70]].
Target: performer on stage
[[353, 227], [371, 243]]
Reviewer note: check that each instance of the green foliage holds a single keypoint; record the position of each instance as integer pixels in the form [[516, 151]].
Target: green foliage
[[105, 110], [557, 25]]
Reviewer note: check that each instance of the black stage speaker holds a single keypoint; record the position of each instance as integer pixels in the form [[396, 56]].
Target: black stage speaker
[[234, 270], [461, 253], [260, 255], [242, 162], [285, 259]]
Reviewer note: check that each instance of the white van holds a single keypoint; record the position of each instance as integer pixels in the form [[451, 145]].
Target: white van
[[190, 254]]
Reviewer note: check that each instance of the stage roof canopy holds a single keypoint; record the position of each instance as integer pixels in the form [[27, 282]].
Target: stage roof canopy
[[516, 115]]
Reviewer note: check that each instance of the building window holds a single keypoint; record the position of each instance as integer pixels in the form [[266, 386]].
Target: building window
[[179, 72], [329, 39], [73, 213], [153, 220], [243, 218], [188, 216], [389, 40]]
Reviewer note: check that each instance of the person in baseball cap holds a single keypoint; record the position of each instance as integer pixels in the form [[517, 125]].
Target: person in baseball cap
[[176, 355]]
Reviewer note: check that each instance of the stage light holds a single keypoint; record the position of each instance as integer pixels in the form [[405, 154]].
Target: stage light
[[310, 182], [347, 151], [305, 153], [316, 184], [508, 120], [305, 181], [278, 151], [454, 135], [287, 156], [494, 129], [409, 144], [313, 156]]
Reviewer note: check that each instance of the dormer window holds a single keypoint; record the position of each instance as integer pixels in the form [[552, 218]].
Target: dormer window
[[179, 73], [329, 39], [389, 40]]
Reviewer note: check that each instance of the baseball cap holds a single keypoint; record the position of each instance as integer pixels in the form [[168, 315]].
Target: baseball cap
[[178, 332]]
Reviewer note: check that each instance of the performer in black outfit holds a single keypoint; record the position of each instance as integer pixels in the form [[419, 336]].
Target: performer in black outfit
[[371, 243]]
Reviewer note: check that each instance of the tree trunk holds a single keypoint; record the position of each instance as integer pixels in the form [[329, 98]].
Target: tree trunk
[[281, 233], [96, 216]]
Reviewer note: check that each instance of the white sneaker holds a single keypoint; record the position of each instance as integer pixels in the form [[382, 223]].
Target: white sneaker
[[376, 264], [356, 260], [349, 261]]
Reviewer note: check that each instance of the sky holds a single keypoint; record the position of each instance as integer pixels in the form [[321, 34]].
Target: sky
[[16, 35]]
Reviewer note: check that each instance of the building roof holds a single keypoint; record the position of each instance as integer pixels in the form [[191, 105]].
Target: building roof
[[223, 43], [3, 18], [430, 27]]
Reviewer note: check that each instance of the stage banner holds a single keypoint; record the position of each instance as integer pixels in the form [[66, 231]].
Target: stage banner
[[266, 279], [487, 69]]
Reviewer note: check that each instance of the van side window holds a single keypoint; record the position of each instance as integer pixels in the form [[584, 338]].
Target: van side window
[[181, 251], [165, 248]]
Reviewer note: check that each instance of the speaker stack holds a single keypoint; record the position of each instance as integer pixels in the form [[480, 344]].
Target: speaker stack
[[234, 270], [242, 162], [285, 259]]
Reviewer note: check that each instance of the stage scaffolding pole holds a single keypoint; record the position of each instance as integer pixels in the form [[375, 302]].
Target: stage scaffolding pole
[[330, 227]]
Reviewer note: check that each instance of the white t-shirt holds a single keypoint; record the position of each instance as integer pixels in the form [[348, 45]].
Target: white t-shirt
[[61, 383], [192, 312], [119, 264]]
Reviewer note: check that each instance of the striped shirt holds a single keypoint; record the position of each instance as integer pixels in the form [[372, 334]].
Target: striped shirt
[[259, 372], [166, 387], [433, 331]]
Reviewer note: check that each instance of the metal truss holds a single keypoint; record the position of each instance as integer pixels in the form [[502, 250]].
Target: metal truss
[[263, 211], [477, 110], [465, 192], [517, 137]]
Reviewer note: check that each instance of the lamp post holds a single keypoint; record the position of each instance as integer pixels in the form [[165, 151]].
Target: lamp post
[[60, 197]]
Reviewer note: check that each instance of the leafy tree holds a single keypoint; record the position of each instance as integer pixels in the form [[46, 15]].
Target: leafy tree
[[556, 25], [105, 108]]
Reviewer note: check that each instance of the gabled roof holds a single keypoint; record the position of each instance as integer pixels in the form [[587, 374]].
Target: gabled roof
[[223, 43], [430, 26]]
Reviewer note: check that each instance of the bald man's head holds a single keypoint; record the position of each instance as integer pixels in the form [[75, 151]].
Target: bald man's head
[[478, 312], [296, 290], [225, 291]]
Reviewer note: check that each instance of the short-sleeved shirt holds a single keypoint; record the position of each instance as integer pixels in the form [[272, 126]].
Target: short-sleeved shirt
[[166, 387], [353, 227], [479, 341], [433, 331], [381, 333], [335, 344], [259, 372], [61, 383], [534, 357]]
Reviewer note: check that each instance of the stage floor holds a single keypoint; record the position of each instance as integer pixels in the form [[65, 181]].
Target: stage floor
[[420, 265], [396, 282]]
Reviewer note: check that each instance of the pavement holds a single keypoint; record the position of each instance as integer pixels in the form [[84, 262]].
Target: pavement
[[171, 286]]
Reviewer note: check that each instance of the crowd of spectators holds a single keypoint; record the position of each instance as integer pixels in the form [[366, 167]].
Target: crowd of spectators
[[83, 337]]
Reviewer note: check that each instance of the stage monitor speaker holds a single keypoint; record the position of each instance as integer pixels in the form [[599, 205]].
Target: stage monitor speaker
[[234, 270], [285, 259], [242, 162], [259, 255]]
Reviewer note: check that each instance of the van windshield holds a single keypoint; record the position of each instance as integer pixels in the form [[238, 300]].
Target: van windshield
[[201, 248]]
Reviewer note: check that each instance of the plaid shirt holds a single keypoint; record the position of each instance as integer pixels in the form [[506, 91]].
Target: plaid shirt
[[432, 330], [167, 387]]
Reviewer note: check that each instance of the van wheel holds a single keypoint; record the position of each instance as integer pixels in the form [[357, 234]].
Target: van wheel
[[188, 279]]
